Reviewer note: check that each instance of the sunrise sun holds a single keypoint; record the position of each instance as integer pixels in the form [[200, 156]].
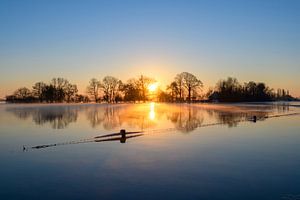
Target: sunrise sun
[[152, 87]]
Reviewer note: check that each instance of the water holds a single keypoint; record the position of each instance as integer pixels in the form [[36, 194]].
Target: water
[[197, 151]]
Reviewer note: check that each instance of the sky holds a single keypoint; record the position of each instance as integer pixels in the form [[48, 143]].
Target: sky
[[255, 40]]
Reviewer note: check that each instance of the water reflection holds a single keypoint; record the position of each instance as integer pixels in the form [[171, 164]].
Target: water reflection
[[183, 117], [232, 119], [110, 117], [152, 111], [186, 118], [58, 117]]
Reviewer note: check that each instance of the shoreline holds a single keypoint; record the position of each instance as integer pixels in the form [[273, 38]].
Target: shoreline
[[148, 102]]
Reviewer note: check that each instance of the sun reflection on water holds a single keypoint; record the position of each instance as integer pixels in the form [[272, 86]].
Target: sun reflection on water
[[152, 111]]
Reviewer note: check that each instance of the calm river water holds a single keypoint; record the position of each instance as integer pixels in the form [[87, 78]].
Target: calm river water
[[198, 151]]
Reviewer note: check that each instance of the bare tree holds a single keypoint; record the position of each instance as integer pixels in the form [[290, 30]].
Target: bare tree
[[37, 90], [180, 85], [94, 88], [191, 83], [143, 84], [22, 93], [60, 85], [110, 87], [70, 91]]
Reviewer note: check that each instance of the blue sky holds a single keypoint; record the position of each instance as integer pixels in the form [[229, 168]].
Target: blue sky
[[79, 40]]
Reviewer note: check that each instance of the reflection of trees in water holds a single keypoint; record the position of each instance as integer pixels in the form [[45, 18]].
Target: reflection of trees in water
[[111, 118], [282, 107], [228, 118], [59, 117], [20, 113], [186, 118], [94, 116], [246, 112], [115, 116], [107, 116]]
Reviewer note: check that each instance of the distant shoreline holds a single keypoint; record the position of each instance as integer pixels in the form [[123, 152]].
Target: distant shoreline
[[121, 103]]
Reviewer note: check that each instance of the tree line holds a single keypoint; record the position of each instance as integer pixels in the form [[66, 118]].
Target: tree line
[[57, 91], [185, 87], [230, 90]]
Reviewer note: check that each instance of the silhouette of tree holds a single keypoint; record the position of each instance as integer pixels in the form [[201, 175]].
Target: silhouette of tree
[[60, 85], [110, 87], [79, 98], [174, 90], [37, 90], [48, 93], [131, 90], [185, 86], [231, 90], [94, 88], [164, 96], [228, 90], [188, 82], [180, 85], [22, 93], [191, 83], [70, 92], [143, 84]]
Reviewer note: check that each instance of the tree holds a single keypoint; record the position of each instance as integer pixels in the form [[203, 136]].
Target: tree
[[60, 85], [110, 87], [79, 98], [37, 90], [22, 93], [250, 89], [179, 82], [70, 92], [131, 90], [118, 94], [143, 83], [164, 96], [191, 83], [231, 90], [174, 90], [94, 88], [48, 93]]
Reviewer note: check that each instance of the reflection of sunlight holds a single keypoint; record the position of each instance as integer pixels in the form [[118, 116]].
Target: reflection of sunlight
[[152, 111]]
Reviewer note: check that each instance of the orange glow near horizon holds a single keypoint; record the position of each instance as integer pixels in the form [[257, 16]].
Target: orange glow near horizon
[[152, 87]]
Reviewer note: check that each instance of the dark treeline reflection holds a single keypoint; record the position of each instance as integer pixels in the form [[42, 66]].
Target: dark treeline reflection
[[183, 117], [246, 112], [107, 116], [58, 117], [186, 118], [232, 119]]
